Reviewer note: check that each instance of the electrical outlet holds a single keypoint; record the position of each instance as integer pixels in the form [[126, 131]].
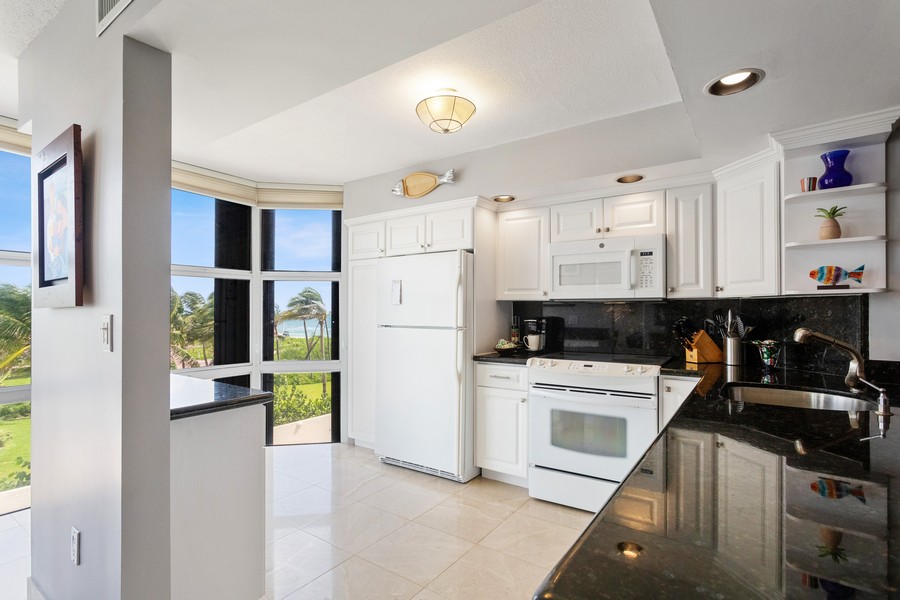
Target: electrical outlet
[[75, 550]]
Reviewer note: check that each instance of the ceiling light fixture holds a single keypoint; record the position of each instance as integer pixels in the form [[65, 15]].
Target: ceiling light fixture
[[634, 178], [734, 82], [503, 198], [446, 112]]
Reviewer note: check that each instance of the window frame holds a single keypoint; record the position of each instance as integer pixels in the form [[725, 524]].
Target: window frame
[[257, 367], [13, 142]]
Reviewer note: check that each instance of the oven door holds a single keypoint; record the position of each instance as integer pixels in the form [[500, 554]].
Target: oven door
[[586, 434]]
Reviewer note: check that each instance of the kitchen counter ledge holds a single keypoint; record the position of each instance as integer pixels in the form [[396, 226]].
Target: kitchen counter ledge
[[738, 513]]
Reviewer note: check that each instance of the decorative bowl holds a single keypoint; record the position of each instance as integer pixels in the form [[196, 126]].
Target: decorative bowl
[[506, 351]]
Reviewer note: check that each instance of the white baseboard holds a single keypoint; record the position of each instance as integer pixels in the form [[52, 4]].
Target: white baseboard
[[33, 592], [504, 478]]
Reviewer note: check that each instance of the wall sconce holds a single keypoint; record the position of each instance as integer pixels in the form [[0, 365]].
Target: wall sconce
[[446, 112]]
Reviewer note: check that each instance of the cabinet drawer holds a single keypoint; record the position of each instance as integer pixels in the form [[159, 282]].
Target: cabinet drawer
[[501, 376]]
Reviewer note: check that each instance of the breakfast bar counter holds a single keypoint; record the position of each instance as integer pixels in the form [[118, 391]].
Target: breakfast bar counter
[[740, 500], [218, 489]]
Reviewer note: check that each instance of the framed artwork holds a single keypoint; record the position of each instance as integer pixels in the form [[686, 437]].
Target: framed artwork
[[57, 257]]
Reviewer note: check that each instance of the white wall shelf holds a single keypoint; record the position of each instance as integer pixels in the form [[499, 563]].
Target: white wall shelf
[[863, 226], [839, 241], [850, 190]]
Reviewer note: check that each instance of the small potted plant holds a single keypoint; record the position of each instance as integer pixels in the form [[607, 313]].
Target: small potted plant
[[830, 229]]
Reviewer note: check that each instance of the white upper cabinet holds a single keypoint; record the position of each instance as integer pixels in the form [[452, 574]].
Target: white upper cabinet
[[367, 240], [449, 229], [405, 235], [689, 242], [747, 231], [576, 221], [430, 232], [633, 214], [523, 254]]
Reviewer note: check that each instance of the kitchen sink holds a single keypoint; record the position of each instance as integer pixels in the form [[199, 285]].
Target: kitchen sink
[[795, 398]]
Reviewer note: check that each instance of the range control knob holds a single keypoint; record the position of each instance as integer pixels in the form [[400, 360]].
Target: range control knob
[[540, 362], [627, 368], [641, 369], [553, 363]]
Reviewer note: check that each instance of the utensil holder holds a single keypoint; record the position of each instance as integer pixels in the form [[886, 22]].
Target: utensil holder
[[733, 351], [704, 350]]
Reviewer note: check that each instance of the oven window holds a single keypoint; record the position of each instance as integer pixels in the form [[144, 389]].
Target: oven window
[[590, 273], [599, 435]]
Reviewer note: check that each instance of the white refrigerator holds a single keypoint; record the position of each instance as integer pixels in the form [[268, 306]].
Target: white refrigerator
[[424, 394]]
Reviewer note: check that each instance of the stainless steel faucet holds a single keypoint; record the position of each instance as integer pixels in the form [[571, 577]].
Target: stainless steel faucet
[[857, 363], [856, 375]]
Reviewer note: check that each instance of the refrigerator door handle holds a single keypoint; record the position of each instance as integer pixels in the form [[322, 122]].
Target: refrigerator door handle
[[459, 359]]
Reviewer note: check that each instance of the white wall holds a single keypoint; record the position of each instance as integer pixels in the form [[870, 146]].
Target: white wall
[[884, 309], [549, 161], [100, 428]]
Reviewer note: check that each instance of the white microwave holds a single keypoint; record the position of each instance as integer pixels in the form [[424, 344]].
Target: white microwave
[[611, 269]]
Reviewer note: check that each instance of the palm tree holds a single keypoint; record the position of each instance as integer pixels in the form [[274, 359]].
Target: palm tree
[[15, 328], [308, 304], [178, 337], [199, 322]]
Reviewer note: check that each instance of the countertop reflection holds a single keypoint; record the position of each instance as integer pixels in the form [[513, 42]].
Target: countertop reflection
[[727, 504]]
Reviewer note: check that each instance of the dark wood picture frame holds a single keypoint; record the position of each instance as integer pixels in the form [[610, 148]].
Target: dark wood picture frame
[[57, 257]]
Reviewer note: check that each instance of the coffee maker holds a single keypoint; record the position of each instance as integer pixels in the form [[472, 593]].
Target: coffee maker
[[543, 335]]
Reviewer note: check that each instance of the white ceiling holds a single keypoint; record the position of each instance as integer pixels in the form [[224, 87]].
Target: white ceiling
[[324, 92]]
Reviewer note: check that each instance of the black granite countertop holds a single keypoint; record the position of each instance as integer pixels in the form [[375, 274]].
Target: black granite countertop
[[519, 358], [734, 510], [189, 396]]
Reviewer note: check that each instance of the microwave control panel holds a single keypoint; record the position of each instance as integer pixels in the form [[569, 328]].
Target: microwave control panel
[[646, 269]]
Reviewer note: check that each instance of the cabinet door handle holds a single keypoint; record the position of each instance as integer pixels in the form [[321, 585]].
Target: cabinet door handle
[[506, 377], [599, 230], [671, 289], [522, 400], [668, 388], [720, 445], [606, 229], [720, 288], [543, 293]]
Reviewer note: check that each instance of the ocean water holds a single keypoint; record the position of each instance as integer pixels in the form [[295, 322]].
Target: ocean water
[[295, 328]]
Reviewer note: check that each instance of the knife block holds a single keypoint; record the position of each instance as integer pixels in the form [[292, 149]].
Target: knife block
[[703, 350]]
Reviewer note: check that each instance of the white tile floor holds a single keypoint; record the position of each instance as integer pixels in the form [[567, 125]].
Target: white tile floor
[[341, 525]]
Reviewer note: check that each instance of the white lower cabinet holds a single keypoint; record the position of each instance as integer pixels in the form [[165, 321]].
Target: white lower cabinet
[[501, 419], [673, 392]]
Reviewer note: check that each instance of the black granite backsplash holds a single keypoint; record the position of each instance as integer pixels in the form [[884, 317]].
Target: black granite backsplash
[[645, 327]]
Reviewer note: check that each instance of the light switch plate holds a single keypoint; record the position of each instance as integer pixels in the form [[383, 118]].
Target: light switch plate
[[106, 333], [75, 550]]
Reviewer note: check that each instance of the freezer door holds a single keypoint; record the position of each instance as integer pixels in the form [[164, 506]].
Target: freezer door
[[418, 396], [423, 290]]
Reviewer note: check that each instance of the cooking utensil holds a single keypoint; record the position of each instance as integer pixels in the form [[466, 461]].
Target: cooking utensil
[[684, 332]]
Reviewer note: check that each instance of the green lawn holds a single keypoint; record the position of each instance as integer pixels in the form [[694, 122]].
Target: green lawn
[[16, 436]]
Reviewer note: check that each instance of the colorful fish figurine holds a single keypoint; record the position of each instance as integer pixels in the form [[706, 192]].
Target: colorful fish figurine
[[835, 490], [417, 185], [831, 274]]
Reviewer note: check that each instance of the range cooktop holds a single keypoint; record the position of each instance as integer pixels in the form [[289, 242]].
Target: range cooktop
[[598, 357]]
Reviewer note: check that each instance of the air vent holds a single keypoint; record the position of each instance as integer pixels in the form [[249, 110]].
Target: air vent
[[107, 11]]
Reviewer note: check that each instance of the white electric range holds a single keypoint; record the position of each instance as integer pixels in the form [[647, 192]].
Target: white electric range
[[591, 417]]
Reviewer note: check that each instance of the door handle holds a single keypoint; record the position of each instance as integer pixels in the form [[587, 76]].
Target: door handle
[[522, 400], [668, 388], [507, 378]]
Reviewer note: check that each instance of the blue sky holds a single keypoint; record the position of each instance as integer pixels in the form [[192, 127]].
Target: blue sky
[[302, 243], [15, 202]]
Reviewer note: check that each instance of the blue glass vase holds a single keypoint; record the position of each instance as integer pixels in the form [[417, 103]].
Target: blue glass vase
[[835, 174]]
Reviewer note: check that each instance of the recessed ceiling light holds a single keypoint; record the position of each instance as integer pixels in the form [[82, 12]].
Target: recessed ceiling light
[[629, 549], [503, 198], [734, 82], [634, 178]]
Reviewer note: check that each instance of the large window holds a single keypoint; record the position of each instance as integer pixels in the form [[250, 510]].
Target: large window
[[260, 308], [15, 331]]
